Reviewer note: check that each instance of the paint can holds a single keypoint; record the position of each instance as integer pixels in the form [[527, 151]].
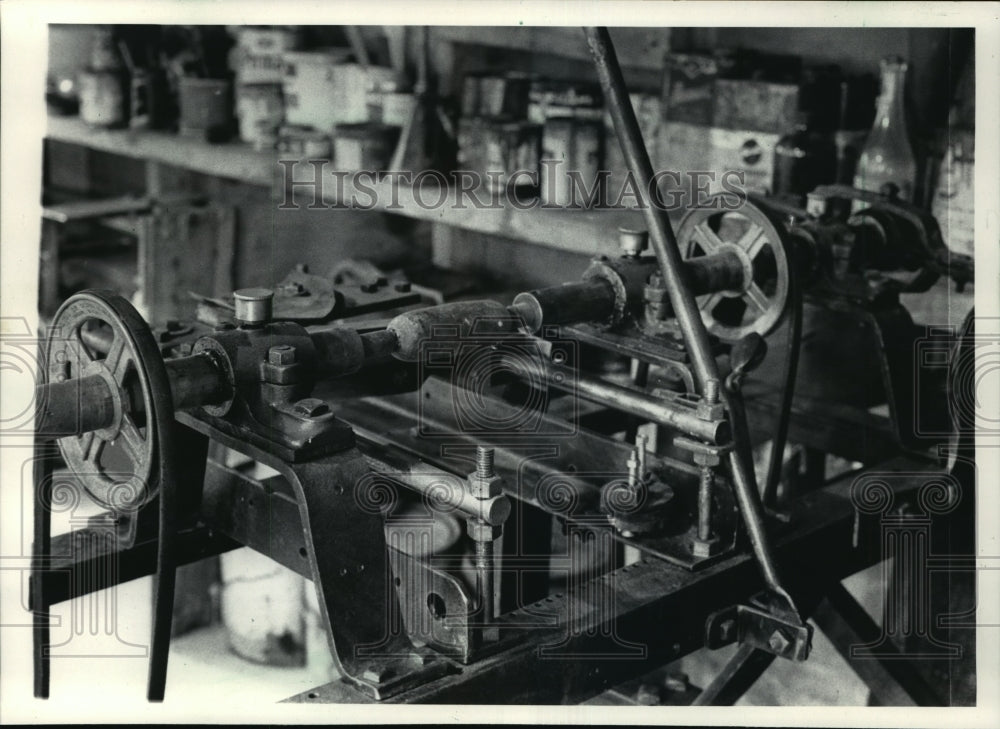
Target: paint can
[[571, 148], [206, 108], [367, 146], [497, 150], [260, 110]]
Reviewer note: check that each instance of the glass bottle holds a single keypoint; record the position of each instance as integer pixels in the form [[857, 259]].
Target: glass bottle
[[887, 157]]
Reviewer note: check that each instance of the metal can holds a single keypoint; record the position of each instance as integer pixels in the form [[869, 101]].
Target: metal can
[[102, 98], [206, 108], [504, 96], [571, 148], [364, 146], [260, 110], [498, 149]]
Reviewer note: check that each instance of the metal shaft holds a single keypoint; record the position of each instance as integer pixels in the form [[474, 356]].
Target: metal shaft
[[681, 299], [632, 401], [705, 504], [484, 572]]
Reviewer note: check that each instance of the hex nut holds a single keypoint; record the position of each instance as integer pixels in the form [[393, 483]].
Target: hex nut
[[702, 548], [707, 459], [480, 531], [778, 642], [484, 488], [281, 354]]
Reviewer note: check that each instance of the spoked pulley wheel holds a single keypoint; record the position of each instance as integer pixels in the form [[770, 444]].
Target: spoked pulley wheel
[[750, 235], [100, 333], [132, 459]]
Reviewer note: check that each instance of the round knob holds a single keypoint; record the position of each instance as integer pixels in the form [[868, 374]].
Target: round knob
[[253, 306], [633, 242]]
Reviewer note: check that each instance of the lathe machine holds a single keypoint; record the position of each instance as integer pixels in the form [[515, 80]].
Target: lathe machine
[[613, 416]]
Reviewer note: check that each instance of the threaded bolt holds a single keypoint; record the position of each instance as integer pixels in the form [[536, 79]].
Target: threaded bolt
[[705, 504], [484, 462], [711, 392]]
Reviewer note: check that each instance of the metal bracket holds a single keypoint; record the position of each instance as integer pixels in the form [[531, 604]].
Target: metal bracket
[[775, 631]]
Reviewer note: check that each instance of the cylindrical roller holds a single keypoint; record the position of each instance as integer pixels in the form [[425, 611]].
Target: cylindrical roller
[[72, 407], [458, 323], [379, 345], [338, 352], [86, 404], [592, 300], [196, 381], [723, 271]]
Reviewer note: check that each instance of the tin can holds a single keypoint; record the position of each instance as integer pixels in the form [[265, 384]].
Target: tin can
[[470, 95], [364, 146], [206, 108], [571, 147], [322, 92], [504, 96], [498, 149], [102, 98], [260, 110], [295, 142]]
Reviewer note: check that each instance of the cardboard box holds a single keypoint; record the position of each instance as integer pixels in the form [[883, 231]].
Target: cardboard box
[[689, 86], [685, 149], [760, 106]]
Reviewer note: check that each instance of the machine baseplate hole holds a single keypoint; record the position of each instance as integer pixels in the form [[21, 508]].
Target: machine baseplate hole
[[435, 603]]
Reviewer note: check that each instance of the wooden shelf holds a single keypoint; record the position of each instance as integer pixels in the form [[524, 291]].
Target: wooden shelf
[[589, 232], [233, 160]]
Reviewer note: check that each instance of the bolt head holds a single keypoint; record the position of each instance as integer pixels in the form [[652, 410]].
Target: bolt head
[[402, 287], [281, 354], [778, 642]]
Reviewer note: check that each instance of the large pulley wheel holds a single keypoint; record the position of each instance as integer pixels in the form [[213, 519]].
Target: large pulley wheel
[[749, 234], [100, 333]]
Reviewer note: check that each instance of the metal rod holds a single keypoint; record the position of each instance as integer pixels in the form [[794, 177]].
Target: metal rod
[[681, 299], [656, 410], [705, 504], [660, 231]]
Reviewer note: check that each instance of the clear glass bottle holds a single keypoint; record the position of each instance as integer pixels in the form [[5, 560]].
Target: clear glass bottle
[[887, 157]]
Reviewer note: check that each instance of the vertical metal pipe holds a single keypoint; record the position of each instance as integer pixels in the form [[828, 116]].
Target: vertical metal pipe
[[681, 299], [661, 232]]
